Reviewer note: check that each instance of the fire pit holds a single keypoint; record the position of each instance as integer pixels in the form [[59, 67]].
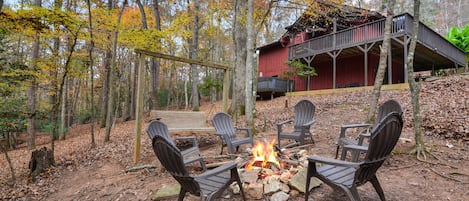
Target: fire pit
[[277, 175]]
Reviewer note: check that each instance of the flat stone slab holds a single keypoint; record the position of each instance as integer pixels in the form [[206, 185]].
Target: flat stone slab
[[167, 192], [299, 181]]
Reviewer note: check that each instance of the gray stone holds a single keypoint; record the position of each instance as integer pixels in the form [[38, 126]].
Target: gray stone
[[235, 188], [270, 179], [299, 181], [254, 190], [167, 192], [279, 196], [272, 187], [250, 176], [285, 188]]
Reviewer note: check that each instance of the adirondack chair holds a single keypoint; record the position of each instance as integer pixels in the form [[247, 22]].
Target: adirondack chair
[[191, 155], [208, 185], [228, 133], [347, 176], [304, 118], [344, 139]]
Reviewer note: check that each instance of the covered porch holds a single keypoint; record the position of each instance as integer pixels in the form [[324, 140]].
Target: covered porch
[[363, 43]]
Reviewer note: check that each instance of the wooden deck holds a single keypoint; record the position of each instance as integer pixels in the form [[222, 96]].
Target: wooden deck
[[431, 42]]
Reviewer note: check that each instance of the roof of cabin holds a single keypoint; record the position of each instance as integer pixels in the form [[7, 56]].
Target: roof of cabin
[[318, 18]]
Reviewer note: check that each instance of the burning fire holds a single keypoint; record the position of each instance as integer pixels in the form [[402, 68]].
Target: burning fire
[[263, 153]]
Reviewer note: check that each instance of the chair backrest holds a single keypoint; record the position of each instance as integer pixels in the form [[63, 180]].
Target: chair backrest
[[386, 108], [304, 112], [223, 125], [171, 159], [158, 128], [382, 141]]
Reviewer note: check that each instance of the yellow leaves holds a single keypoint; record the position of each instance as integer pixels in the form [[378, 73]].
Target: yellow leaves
[[180, 25], [37, 20], [142, 39]]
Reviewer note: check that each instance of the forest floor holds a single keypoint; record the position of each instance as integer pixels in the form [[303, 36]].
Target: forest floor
[[85, 173]]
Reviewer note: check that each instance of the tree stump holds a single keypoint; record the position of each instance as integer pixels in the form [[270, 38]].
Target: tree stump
[[41, 160]]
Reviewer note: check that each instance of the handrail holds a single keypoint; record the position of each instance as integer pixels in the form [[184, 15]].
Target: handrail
[[374, 31]]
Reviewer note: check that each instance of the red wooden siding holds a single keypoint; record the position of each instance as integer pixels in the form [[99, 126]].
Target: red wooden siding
[[350, 71], [272, 62]]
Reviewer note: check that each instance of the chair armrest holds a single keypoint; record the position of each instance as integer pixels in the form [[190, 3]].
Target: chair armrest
[[362, 136], [356, 148], [344, 128], [218, 170], [330, 161], [280, 124], [248, 131], [310, 123], [284, 122]]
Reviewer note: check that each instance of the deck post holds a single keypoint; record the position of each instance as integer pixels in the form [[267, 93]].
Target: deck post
[[309, 60], [365, 61], [366, 64], [390, 64], [406, 75], [334, 56]]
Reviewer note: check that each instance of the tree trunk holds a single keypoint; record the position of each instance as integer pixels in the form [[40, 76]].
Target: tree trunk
[[73, 100], [154, 63], [41, 160], [382, 62], [90, 56], [105, 92], [107, 76], [133, 100], [59, 89], [4, 149], [155, 69], [127, 92], [63, 109], [193, 55], [414, 86], [32, 91], [240, 40], [170, 85], [110, 107], [249, 65]]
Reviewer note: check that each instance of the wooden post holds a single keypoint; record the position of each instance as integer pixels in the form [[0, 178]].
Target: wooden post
[[334, 56], [366, 64], [226, 89], [390, 64], [139, 108], [406, 75]]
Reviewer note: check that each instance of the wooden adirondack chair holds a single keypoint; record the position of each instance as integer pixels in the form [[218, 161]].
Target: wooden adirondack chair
[[228, 133], [347, 176], [304, 118], [386, 108], [190, 155], [208, 185]]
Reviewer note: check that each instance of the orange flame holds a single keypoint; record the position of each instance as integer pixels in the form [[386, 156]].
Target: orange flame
[[264, 153]]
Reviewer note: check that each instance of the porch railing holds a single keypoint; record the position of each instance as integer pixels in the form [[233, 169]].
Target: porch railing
[[372, 32]]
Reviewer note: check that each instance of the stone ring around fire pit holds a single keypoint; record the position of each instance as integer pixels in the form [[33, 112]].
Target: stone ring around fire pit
[[272, 174]]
